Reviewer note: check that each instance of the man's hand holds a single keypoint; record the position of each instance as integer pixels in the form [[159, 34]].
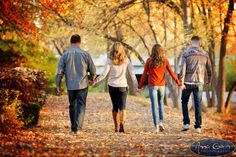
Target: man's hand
[[59, 90], [91, 83], [138, 90], [182, 87]]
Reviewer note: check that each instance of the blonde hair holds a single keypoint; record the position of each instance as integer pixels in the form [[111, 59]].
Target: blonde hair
[[157, 56], [118, 54]]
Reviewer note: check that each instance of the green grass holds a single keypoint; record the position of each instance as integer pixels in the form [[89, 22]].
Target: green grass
[[100, 87]]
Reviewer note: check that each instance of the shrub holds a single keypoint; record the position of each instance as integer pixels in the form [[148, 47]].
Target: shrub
[[31, 85], [10, 110]]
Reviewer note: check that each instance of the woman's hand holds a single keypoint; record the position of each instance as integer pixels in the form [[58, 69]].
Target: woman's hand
[[91, 83], [182, 87], [138, 90]]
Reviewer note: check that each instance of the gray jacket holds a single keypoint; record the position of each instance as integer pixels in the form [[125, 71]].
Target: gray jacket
[[195, 62], [75, 65]]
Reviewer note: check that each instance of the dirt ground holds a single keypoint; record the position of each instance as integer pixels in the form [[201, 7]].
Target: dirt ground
[[52, 136]]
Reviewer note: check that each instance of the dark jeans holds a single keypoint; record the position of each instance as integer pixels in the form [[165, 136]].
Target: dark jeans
[[118, 97], [197, 95], [77, 99]]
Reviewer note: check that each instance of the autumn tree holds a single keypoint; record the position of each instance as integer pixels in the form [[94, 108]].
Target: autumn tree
[[31, 17], [221, 77]]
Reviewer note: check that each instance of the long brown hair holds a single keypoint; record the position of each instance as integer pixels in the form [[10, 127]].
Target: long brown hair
[[118, 54], [157, 56]]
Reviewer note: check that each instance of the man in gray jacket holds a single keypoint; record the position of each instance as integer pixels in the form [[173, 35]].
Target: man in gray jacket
[[195, 62], [75, 64]]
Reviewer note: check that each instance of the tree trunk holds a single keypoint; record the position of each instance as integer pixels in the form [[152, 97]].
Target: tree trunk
[[231, 92], [165, 42], [147, 9], [173, 93], [209, 103], [211, 48], [213, 68], [221, 78], [170, 85], [106, 79], [165, 100], [132, 89], [185, 16]]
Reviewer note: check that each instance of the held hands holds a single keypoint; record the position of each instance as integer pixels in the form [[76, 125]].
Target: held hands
[[207, 83], [138, 90], [91, 83], [59, 90], [182, 87]]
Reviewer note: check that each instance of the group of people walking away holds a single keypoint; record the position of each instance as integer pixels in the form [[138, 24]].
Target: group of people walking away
[[76, 63]]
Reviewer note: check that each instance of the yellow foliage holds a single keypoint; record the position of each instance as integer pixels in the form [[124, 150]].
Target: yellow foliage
[[10, 110]]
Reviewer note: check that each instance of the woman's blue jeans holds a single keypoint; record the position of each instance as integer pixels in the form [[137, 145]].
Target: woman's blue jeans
[[156, 94]]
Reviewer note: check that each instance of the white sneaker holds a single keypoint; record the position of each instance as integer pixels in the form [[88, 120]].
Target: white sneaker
[[157, 130], [198, 130], [161, 127], [185, 127]]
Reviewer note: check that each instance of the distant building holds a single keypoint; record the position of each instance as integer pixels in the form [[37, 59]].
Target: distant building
[[138, 67]]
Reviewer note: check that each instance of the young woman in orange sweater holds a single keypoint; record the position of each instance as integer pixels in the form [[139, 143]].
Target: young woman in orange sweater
[[155, 68]]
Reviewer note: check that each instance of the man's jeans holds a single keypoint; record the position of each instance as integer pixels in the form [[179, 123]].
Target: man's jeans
[[77, 99], [156, 94], [197, 95]]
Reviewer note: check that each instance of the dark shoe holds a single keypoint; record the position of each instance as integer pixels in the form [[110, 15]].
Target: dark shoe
[[121, 128]]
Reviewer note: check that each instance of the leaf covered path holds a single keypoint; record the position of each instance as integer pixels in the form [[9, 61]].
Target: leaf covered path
[[52, 136]]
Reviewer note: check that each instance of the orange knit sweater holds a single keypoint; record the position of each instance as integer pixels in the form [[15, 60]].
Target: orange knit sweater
[[157, 75]]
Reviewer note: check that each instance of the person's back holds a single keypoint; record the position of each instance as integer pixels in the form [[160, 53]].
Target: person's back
[[117, 74], [155, 68], [197, 61], [156, 75], [77, 64], [116, 68]]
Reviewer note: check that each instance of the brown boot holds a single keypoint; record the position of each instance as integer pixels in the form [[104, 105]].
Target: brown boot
[[116, 120], [122, 121]]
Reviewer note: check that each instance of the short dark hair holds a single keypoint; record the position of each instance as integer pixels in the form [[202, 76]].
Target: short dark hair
[[195, 37], [75, 39]]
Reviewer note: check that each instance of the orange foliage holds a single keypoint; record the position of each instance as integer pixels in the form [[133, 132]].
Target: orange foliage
[[25, 16], [15, 15]]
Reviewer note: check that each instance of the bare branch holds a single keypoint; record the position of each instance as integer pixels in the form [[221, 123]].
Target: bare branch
[[172, 5], [113, 39], [140, 36], [57, 48]]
